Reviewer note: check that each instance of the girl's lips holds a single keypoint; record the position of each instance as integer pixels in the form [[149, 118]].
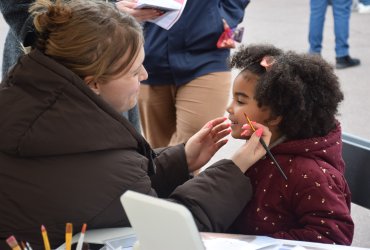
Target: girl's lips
[[234, 125], [233, 122]]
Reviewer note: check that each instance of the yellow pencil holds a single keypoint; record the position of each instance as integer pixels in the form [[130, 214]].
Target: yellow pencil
[[45, 238], [68, 236]]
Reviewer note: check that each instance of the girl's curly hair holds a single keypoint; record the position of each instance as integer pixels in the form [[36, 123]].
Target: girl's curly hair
[[301, 88]]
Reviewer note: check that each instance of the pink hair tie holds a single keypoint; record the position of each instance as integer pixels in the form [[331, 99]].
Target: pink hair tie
[[267, 62]]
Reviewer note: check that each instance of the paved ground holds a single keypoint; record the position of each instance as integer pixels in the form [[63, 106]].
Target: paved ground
[[284, 23]]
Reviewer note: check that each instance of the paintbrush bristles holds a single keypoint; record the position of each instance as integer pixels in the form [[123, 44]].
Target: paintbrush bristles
[[249, 122], [267, 149]]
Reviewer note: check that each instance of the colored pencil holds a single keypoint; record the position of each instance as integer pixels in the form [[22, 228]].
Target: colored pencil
[[45, 238], [82, 236], [267, 149], [69, 230]]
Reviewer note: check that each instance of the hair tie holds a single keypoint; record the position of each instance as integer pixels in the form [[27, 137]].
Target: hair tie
[[267, 62]]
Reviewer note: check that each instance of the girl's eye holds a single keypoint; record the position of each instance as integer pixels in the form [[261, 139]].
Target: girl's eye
[[239, 101]]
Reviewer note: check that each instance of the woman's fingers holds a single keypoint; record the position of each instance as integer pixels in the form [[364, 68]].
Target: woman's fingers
[[220, 144], [218, 125], [254, 141], [139, 14], [252, 150], [147, 14], [266, 135], [221, 134], [215, 122]]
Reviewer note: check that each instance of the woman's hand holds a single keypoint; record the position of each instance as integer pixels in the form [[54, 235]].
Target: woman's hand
[[141, 15], [250, 152], [200, 148]]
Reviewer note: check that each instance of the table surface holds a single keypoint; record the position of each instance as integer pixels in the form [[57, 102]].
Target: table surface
[[271, 243]]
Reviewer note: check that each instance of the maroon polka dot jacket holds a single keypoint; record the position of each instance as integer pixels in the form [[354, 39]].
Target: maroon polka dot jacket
[[312, 205]]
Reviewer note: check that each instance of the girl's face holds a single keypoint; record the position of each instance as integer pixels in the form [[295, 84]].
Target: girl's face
[[243, 102], [122, 92]]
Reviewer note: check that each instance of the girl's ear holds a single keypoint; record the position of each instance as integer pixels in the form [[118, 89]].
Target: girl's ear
[[275, 121], [93, 84]]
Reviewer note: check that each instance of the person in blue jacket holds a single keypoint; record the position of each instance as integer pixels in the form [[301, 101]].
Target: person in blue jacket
[[189, 79], [21, 34]]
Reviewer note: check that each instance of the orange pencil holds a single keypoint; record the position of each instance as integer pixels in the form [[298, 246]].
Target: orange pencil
[[267, 149], [82, 236], [69, 230], [45, 237], [12, 242]]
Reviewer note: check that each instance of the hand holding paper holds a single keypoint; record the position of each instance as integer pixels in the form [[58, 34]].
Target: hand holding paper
[[141, 15], [163, 5], [169, 18]]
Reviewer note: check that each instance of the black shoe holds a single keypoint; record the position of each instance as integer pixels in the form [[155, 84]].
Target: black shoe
[[346, 61]]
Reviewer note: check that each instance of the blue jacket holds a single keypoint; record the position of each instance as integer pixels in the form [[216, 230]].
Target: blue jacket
[[188, 50]]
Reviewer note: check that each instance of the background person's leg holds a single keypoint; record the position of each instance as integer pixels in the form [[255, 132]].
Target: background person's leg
[[157, 113], [341, 13], [316, 26], [12, 50], [199, 101]]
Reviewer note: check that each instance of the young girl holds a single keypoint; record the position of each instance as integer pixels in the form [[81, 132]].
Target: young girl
[[296, 96]]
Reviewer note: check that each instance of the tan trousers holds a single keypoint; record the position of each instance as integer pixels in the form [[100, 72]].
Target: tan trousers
[[171, 115]]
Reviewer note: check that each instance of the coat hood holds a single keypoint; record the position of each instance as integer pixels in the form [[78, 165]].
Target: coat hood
[[48, 110], [327, 149]]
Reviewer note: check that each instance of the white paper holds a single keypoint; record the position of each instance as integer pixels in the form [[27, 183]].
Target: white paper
[[169, 18], [121, 243], [223, 243], [165, 5], [99, 236]]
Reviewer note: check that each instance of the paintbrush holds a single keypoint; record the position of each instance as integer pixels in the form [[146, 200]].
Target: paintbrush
[[267, 149]]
